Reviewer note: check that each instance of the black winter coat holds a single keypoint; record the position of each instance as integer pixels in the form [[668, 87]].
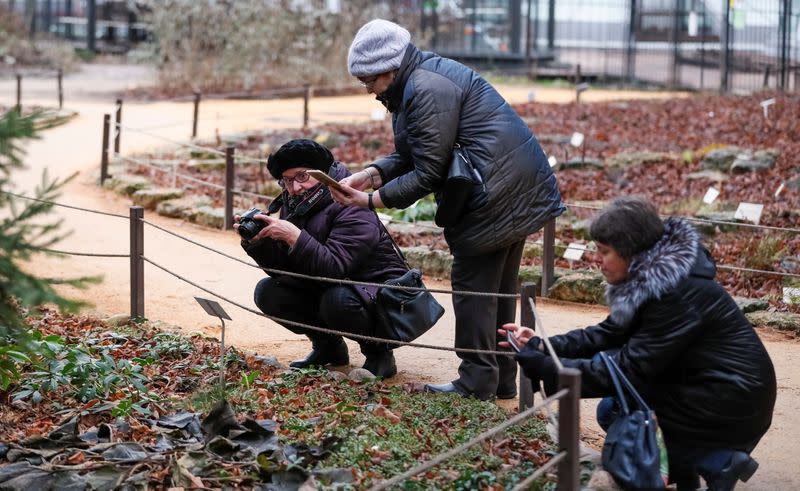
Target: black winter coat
[[337, 242], [684, 344], [436, 103]]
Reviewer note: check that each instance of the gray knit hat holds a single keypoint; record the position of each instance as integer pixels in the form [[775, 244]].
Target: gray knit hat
[[379, 47]]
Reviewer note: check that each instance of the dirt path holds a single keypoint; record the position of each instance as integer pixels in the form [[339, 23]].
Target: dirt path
[[76, 148]]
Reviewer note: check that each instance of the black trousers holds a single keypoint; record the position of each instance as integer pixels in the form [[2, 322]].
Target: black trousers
[[477, 319], [326, 305]]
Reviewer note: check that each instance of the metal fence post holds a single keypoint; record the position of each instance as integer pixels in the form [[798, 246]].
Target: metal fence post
[[630, 45], [785, 42], [137, 261], [526, 319], [118, 126], [19, 94], [104, 151], [306, 97], [60, 88], [675, 41], [196, 112], [725, 55], [548, 255], [91, 25], [230, 176], [569, 477], [551, 25]]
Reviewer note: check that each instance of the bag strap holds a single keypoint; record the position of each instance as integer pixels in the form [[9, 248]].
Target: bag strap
[[612, 373], [614, 369], [394, 244]]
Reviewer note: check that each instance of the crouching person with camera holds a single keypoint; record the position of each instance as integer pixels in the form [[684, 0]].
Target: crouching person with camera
[[315, 236]]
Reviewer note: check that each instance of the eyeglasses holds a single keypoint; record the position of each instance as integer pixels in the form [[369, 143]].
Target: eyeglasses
[[300, 177], [368, 81]]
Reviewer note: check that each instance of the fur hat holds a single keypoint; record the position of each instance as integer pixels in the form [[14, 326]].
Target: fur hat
[[379, 47], [299, 153]]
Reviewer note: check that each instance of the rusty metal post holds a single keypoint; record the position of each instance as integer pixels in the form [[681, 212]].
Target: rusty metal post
[[118, 126], [60, 88], [767, 70], [569, 413], [526, 319], [196, 113], [137, 261], [229, 178], [549, 255], [104, 151], [19, 94], [306, 97]]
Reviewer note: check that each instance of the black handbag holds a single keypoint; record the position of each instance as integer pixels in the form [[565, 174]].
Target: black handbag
[[631, 452], [464, 190], [405, 315]]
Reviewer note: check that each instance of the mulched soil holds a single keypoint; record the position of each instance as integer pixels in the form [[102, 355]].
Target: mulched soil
[[685, 127]]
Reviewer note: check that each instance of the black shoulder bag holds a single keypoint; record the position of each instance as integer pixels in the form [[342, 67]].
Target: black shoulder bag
[[464, 190], [405, 315], [631, 452]]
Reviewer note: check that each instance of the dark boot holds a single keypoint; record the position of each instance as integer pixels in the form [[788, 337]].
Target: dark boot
[[329, 350], [380, 360], [741, 468]]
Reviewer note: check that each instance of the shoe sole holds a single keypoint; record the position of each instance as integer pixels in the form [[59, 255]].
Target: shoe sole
[[507, 396]]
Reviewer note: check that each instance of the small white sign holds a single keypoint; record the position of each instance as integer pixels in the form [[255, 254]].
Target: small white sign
[[582, 87], [574, 251], [531, 96], [765, 105], [378, 115], [710, 114], [780, 189], [693, 24], [791, 295], [333, 6], [552, 161], [576, 140], [750, 212], [711, 195]]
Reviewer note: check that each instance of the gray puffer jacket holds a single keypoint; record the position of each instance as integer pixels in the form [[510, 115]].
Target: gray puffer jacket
[[435, 103]]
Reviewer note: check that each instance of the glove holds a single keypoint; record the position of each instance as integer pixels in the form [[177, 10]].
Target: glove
[[537, 365]]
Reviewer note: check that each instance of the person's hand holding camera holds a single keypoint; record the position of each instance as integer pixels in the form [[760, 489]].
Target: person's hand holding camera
[[253, 226]]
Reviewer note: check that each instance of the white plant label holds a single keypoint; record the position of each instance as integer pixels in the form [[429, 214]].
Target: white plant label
[[531, 96], [711, 195], [765, 105], [574, 251], [791, 295], [378, 115], [552, 160], [750, 212], [780, 189], [576, 140]]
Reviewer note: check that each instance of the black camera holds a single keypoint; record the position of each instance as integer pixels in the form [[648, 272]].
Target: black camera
[[249, 227]]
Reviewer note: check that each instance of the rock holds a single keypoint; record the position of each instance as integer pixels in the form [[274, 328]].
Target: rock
[[185, 208], [360, 375], [126, 184], [270, 188], [791, 264], [716, 217], [209, 154], [601, 480], [420, 227], [269, 361], [430, 262], [582, 286], [265, 149], [711, 175], [210, 217], [204, 165], [117, 320], [580, 163], [794, 183], [786, 321], [720, 159], [751, 304], [760, 161], [627, 159], [337, 376], [532, 250], [150, 198], [533, 274], [329, 140]]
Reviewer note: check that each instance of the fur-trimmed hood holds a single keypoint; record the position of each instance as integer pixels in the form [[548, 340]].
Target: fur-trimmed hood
[[656, 271]]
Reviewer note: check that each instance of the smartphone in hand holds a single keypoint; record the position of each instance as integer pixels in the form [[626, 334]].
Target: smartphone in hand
[[512, 341]]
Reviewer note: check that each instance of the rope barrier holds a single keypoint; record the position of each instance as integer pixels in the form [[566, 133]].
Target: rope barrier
[[65, 206], [702, 220], [68, 253], [464, 446], [263, 197], [334, 280], [326, 330], [182, 176], [760, 271]]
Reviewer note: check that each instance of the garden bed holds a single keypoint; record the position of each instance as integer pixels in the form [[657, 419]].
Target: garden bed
[[663, 150], [100, 406]]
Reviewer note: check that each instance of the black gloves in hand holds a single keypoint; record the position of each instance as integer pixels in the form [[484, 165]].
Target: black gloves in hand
[[537, 365]]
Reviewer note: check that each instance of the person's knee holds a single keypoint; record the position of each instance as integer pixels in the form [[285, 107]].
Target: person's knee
[[266, 295]]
